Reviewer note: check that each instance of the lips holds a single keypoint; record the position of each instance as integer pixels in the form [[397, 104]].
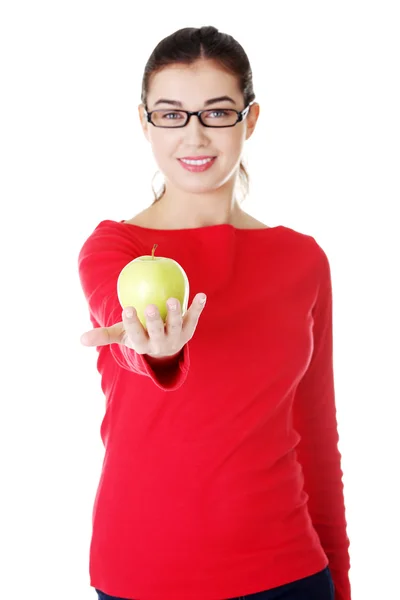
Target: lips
[[195, 157], [197, 168]]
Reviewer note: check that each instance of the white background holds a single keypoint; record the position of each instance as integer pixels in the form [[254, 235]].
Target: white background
[[324, 160]]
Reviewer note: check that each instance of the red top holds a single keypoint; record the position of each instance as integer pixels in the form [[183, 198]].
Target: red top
[[221, 475]]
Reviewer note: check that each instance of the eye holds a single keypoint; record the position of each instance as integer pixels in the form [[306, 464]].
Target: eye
[[223, 113], [173, 114]]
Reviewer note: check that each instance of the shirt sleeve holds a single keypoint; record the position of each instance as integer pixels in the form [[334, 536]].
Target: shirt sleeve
[[316, 422], [100, 261]]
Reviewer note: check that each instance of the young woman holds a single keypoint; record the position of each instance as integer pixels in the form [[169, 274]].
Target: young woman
[[222, 476]]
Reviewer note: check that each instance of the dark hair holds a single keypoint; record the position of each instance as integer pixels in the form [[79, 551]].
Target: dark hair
[[186, 46]]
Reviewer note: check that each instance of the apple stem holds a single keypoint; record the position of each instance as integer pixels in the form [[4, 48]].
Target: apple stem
[[154, 249]]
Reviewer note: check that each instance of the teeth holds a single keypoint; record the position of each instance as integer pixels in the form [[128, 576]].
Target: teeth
[[196, 162]]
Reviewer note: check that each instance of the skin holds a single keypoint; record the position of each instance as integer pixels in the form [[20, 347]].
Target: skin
[[190, 200]]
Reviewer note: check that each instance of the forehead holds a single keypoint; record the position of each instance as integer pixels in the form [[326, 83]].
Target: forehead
[[193, 84]]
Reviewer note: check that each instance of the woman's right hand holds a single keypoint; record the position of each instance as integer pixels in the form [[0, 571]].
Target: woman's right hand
[[161, 340]]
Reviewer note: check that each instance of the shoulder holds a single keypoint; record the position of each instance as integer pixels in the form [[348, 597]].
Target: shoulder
[[110, 236]]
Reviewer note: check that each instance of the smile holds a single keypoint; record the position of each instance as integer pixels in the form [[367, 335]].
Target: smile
[[197, 166]]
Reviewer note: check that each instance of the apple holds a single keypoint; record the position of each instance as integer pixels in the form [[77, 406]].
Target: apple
[[152, 280]]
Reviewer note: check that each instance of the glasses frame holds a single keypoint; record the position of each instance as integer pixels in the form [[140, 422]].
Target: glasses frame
[[241, 115]]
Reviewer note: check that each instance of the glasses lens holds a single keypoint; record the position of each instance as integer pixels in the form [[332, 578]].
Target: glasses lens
[[168, 118], [219, 117]]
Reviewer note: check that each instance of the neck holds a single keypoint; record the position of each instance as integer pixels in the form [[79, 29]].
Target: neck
[[182, 210]]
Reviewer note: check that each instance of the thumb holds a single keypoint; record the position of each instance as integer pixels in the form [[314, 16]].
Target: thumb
[[103, 336]]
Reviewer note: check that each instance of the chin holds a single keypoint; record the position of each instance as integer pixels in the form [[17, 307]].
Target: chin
[[196, 187]]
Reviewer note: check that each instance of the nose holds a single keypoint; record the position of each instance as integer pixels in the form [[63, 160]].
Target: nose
[[194, 130]]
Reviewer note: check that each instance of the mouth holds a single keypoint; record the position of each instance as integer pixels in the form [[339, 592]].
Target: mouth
[[198, 164]]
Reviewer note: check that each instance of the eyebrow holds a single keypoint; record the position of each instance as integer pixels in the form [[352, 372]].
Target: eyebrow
[[206, 103]]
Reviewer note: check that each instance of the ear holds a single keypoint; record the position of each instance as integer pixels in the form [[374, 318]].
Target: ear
[[252, 118], [143, 121]]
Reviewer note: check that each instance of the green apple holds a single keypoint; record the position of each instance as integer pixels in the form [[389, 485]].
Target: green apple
[[152, 280]]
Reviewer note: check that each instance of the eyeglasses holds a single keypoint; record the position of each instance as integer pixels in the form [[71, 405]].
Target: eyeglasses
[[215, 117]]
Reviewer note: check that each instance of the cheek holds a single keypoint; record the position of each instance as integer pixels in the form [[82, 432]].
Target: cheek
[[231, 146], [163, 148]]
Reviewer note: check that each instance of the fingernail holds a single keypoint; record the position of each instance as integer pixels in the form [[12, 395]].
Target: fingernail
[[171, 305], [202, 299], [150, 312], [129, 313]]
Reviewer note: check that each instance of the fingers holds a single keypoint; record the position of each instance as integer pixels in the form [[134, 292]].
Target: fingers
[[129, 332], [159, 338], [135, 336], [155, 329], [174, 324], [192, 316]]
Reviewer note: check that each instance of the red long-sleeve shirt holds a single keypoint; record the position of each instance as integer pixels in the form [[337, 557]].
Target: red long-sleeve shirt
[[221, 475]]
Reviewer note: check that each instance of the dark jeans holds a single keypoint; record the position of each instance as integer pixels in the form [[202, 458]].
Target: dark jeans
[[315, 587]]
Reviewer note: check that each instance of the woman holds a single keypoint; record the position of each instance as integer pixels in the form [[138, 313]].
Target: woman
[[222, 476]]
